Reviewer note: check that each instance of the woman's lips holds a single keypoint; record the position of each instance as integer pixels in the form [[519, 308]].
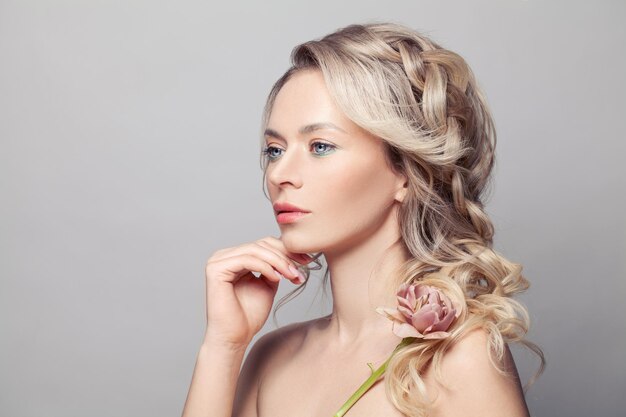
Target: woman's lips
[[290, 216]]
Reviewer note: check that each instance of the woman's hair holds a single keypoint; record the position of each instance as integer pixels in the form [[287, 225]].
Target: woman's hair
[[426, 106]]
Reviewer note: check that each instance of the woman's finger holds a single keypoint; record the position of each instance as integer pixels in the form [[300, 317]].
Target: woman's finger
[[231, 269], [278, 261]]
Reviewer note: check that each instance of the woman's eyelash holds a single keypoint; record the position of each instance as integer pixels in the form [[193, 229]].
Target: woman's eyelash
[[268, 149]]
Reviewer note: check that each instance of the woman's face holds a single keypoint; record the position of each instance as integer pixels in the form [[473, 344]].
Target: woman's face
[[338, 174]]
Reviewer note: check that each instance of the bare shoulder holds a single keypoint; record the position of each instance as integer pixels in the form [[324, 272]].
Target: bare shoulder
[[276, 343], [473, 387], [267, 352]]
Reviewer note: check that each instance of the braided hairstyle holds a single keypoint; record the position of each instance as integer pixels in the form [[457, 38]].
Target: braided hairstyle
[[425, 104]]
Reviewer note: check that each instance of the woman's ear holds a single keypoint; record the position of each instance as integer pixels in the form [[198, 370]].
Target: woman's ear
[[402, 190]]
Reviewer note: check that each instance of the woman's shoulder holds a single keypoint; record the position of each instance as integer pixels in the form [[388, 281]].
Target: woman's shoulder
[[472, 384], [270, 351], [281, 342]]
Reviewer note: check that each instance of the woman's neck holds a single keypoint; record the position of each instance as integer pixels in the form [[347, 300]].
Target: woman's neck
[[362, 279]]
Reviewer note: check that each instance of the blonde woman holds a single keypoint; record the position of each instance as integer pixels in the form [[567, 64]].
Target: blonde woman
[[377, 149]]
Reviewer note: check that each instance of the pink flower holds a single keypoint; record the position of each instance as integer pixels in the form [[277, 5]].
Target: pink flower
[[423, 311]]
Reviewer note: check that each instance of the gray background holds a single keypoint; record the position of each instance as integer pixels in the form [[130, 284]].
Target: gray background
[[129, 154]]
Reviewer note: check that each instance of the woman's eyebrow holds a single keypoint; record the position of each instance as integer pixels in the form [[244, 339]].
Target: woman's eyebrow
[[305, 129]]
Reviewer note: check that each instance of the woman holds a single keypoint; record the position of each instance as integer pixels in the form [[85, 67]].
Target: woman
[[378, 145]]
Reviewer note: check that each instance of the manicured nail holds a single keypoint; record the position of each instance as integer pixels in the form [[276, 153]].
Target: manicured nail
[[294, 270], [302, 277], [279, 275]]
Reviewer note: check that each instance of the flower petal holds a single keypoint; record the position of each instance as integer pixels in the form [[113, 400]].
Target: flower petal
[[405, 330], [434, 298], [436, 335], [436, 308], [402, 290], [410, 296], [391, 313], [423, 319], [406, 312], [444, 323], [405, 303], [422, 290], [452, 304]]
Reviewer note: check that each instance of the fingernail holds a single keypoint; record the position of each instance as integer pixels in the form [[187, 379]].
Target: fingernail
[[294, 270], [302, 277], [279, 275]]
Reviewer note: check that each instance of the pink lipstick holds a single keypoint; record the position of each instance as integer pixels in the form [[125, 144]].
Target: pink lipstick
[[288, 213], [289, 216]]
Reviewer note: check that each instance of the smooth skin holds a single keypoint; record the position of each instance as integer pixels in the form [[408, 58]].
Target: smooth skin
[[311, 368]]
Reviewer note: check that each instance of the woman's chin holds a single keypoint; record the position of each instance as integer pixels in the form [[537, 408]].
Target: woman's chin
[[298, 244]]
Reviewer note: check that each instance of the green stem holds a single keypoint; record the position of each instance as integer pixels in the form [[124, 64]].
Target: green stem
[[371, 380]]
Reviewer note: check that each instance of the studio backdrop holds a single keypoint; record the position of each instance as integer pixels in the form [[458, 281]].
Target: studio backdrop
[[129, 153]]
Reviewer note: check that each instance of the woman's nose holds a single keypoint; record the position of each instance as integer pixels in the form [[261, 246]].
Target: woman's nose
[[285, 170]]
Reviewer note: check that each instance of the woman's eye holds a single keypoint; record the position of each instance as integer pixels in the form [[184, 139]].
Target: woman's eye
[[324, 146], [319, 148], [269, 151]]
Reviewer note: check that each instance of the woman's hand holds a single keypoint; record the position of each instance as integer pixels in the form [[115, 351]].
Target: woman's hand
[[238, 303]]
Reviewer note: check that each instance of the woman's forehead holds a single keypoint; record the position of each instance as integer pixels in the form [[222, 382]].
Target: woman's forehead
[[304, 105], [305, 94]]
